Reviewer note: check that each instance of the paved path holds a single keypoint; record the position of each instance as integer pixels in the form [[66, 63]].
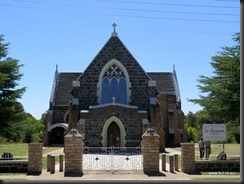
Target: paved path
[[55, 152]]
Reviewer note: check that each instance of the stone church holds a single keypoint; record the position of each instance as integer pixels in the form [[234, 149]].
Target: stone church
[[114, 101]]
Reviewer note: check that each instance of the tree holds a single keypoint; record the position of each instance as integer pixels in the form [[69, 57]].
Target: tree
[[32, 129], [222, 100], [191, 132], [10, 108], [190, 119]]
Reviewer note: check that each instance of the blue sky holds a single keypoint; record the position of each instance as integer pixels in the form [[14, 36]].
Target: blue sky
[[158, 33]]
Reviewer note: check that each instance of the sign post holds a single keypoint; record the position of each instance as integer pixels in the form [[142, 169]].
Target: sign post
[[214, 132]]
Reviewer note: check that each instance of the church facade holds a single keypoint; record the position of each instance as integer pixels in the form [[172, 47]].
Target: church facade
[[114, 101]]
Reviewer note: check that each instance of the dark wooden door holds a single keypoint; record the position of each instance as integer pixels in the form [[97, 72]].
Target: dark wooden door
[[113, 135]]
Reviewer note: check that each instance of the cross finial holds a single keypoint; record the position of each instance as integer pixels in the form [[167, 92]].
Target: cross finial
[[114, 26], [113, 99]]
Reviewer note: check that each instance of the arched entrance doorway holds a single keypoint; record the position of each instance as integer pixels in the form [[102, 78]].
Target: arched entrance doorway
[[113, 135], [58, 135], [120, 131]]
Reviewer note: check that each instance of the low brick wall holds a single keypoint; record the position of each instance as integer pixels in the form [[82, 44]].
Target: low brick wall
[[13, 166], [218, 165]]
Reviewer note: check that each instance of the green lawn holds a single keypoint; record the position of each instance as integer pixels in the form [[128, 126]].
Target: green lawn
[[232, 151], [21, 149]]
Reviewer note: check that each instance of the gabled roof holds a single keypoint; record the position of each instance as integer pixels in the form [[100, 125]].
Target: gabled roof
[[114, 48], [166, 82], [62, 95]]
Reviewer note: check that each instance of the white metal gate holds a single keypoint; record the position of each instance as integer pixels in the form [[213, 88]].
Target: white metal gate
[[112, 158]]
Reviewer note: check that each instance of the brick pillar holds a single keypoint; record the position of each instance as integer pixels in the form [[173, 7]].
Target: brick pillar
[[73, 149], [150, 151], [188, 157], [35, 158]]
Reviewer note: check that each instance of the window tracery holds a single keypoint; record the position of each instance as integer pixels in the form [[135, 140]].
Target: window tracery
[[114, 85]]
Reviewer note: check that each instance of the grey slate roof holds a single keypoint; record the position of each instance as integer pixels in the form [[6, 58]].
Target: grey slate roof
[[164, 81], [64, 87]]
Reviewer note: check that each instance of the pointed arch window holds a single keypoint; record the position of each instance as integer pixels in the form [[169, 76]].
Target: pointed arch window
[[122, 91], [114, 85], [105, 91]]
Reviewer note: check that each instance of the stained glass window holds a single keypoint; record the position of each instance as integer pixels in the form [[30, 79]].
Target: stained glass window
[[114, 85], [105, 91], [122, 91]]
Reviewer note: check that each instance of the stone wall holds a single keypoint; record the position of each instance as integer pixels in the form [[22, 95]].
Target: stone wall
[[114, 49], [35, 158], [150, 151], [96, 117], [59, 113], [13, 166], [218, 165]]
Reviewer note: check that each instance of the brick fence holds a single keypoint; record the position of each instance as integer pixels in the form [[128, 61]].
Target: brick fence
[[13, 166], [190, 165]]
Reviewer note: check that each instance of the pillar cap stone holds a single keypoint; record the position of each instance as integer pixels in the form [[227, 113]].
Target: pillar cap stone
[[150, 132], [73, 133]]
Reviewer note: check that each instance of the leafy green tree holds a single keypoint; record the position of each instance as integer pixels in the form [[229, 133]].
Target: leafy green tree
[[222, 99], [191, 132], [198, 118], [191, 119], [10, 108], [32, 129]]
